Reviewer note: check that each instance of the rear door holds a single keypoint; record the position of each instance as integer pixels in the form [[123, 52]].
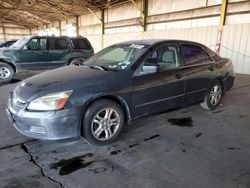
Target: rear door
[[162, 89], [198, 69], [58, 52], [35, 55]]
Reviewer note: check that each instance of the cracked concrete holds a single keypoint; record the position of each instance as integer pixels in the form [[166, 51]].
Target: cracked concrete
[[25, 148], [213, 152]]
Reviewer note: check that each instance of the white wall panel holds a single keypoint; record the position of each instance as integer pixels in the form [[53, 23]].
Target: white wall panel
[[236, 46]]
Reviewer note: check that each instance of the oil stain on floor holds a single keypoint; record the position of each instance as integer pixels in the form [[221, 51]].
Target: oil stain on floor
[[67, 166], [182, 122]]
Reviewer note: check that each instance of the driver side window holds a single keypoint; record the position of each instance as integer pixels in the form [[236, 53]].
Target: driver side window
[[163, 57], [33, 44]]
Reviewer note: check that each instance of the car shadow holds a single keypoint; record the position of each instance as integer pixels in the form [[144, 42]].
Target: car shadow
[[11, 82]]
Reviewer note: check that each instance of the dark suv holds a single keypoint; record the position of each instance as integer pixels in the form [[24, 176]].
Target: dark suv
[[39, 53]]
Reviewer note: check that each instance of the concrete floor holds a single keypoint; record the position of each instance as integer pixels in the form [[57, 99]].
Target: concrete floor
[[212, 150]]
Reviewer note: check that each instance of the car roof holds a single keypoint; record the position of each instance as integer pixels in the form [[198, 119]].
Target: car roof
[[157, 41]]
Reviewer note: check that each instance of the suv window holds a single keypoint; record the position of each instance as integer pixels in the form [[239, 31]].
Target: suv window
[[33, 44], [58, 44], [194, 54], [80, 44], [164, 56], [43, 44]]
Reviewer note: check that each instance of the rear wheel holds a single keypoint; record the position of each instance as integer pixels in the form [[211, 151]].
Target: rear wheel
[[103, 122], [6, 72], [213, 96], [78, 61]]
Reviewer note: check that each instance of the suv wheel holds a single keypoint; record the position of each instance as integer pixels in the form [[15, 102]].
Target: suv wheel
[[103, 122], [77, 61], [213, 96], [6, 72]]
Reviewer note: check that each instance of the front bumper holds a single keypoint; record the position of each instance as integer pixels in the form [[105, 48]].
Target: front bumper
[[49, 125]]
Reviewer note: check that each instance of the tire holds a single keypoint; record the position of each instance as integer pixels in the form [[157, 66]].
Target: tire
[[6, 72], [77, 61], [94, 120], [213, 97]]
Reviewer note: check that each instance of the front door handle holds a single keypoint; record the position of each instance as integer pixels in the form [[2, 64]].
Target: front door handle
[[179, 75]]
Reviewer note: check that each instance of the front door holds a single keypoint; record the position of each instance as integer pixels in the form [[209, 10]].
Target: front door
[[158, 83], [34, 55]]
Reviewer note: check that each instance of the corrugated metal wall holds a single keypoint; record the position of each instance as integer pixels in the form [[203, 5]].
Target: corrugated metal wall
[[236, 46], [235, 41]]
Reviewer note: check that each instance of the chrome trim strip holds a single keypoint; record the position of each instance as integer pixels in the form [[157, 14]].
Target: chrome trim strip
[[199, 90], [160, 100]]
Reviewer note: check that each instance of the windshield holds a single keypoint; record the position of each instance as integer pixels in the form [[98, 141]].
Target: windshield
[[20, 43], [117, 57]]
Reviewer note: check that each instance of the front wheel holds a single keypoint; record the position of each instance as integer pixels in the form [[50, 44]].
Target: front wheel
[[6, 72], [103, 122], [213, 96]]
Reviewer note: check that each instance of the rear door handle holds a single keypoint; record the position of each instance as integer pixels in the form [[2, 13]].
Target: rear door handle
[[179, 75]]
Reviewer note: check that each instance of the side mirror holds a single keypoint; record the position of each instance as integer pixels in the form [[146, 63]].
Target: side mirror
[[150, 69], [25, 47]]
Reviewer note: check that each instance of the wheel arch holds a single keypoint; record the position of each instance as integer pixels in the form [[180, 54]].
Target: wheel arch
[[119, 100], [9, 63], [220, 79]]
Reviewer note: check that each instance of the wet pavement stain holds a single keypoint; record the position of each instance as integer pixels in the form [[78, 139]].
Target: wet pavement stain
[[115, 152], [242, 116], [215, 112], [151, 137], [98, 170], [234, 148], [133, 145], [198, 134], [67, 166], [182, 122]]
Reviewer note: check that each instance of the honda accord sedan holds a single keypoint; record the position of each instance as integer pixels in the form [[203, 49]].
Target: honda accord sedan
[[117, 85]]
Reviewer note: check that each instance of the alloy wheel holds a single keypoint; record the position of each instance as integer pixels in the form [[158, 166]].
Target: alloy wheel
[[215, 95], [105, 124], [4, 72]]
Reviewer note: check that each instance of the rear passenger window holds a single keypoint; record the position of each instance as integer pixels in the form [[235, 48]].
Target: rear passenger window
[[80, 44], [43, 44], [194, 54], [58, 44]]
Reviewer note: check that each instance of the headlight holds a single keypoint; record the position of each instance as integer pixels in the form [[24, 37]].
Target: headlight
[[53, 101]]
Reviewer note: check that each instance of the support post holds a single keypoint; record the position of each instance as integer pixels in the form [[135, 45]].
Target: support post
[[102, 28], [101, 19], [4, 33], [77, 25], [145, 11], [142, 13], [221, 24], [60, 28]]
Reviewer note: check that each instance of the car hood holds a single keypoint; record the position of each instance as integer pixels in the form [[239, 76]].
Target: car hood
[[62, 79]]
